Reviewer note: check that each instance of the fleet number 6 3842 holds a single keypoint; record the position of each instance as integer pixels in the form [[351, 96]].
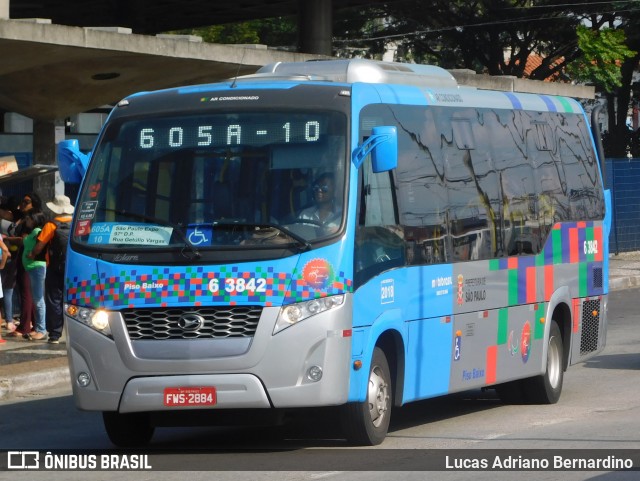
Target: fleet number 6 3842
[[239, 284]]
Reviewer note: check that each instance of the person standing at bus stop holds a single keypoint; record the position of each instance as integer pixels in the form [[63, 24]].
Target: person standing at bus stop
[[36, 268], [4, 255], [10, 272], [30, 203], [53, 239]]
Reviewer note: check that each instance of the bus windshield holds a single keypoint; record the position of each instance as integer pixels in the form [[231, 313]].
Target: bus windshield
[[221, 180]]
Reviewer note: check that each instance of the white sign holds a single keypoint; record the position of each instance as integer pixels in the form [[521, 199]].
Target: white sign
[[140, 235]]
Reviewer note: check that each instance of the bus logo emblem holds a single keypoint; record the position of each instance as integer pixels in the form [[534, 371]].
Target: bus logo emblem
[[460, 292], [191, 322]]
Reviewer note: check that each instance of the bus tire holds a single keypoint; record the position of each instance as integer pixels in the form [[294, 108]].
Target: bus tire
[[366, 423], [128, 430], [546, 388]]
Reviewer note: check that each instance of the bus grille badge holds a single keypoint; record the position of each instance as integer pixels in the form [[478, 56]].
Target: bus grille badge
[[191, 322]]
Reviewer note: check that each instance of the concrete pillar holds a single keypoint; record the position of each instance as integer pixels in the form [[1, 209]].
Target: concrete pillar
[[315, 26], [4, 9], [44, 152]]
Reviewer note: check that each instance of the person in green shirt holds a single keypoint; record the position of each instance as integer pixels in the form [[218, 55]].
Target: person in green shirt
[[36, 267]]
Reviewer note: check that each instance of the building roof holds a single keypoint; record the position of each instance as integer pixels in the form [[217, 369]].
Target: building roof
[[534, 61]]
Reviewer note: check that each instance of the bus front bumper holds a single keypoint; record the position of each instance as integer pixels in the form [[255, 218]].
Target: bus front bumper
[[272, 372]]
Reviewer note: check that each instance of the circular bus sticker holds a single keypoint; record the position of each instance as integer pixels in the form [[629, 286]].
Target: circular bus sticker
[[317, 273]]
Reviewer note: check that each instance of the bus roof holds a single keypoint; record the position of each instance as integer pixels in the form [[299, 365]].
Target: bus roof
[[359, 70], [395, 82]]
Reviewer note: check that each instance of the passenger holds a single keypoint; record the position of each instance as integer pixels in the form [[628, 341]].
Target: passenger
[[36, 268], [30, 203], [8, 278], [3, 260], [8, 212], [325, 213], [53, 240], [9, 273]]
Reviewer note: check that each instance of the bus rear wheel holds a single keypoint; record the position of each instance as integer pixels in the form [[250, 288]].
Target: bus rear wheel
[[546, 388], [366, 423], [128, 430], [543, 389]]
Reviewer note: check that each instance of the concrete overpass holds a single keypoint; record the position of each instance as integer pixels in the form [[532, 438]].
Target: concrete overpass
[[315, 17], [49, 72], [155, 16]]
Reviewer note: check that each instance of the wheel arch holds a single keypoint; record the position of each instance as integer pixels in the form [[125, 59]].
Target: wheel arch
[[560, 312], [562, 315], [392, 344]]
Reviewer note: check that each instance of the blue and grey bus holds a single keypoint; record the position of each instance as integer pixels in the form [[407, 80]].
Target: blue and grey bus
[[467, 247]]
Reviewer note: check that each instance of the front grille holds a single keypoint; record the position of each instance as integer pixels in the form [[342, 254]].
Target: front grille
[[590, 326], [219, 322]]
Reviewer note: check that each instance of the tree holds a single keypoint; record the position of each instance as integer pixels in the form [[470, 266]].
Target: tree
[[603, 52], [586, 41], [577, 40], [279, 31], [608, 62], [491, 36], [610, 58]]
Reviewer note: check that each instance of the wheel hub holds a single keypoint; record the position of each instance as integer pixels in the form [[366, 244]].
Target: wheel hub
[[378, 397], [553, 365]]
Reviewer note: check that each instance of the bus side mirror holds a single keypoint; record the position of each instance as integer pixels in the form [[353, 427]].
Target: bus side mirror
[[383, 146], [71, 162]]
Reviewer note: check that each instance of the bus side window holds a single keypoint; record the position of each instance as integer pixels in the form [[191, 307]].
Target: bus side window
[[421, 190], [379, 238]]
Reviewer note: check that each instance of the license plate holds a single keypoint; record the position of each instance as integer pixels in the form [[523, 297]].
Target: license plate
[[190, 396]]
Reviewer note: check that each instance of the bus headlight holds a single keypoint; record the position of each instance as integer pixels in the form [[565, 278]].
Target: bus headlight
[[97, 319], [294, 313]]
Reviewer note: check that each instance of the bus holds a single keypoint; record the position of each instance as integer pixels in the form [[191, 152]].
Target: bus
[[468, 248]]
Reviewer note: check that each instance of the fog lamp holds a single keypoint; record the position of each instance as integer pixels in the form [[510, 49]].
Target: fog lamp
[[84, 379], [314, 373]]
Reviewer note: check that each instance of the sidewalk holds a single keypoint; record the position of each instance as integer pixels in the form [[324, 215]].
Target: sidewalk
[[28, 366], [624, 270]]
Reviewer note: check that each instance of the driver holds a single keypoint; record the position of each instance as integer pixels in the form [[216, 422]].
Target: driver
[[324, 212]]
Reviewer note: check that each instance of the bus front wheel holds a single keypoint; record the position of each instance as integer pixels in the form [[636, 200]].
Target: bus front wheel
[[128, 430], [366, 423]]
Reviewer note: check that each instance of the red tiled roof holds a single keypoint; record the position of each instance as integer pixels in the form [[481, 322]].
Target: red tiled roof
[[534, 61]]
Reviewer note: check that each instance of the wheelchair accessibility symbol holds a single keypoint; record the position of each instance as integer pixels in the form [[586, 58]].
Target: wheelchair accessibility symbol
[[199, 235]]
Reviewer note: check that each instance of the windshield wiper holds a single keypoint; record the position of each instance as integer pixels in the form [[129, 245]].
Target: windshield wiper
[[189, 251], [302, 243]]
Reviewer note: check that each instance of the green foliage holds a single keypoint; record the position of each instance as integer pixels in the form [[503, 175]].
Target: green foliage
[[280, 31], [487, 36], [603, 52]]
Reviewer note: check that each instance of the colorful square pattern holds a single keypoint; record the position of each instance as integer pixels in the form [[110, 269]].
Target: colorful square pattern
[[198, 286]]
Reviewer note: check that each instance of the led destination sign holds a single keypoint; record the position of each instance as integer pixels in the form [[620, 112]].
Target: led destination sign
[[223, 131]]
